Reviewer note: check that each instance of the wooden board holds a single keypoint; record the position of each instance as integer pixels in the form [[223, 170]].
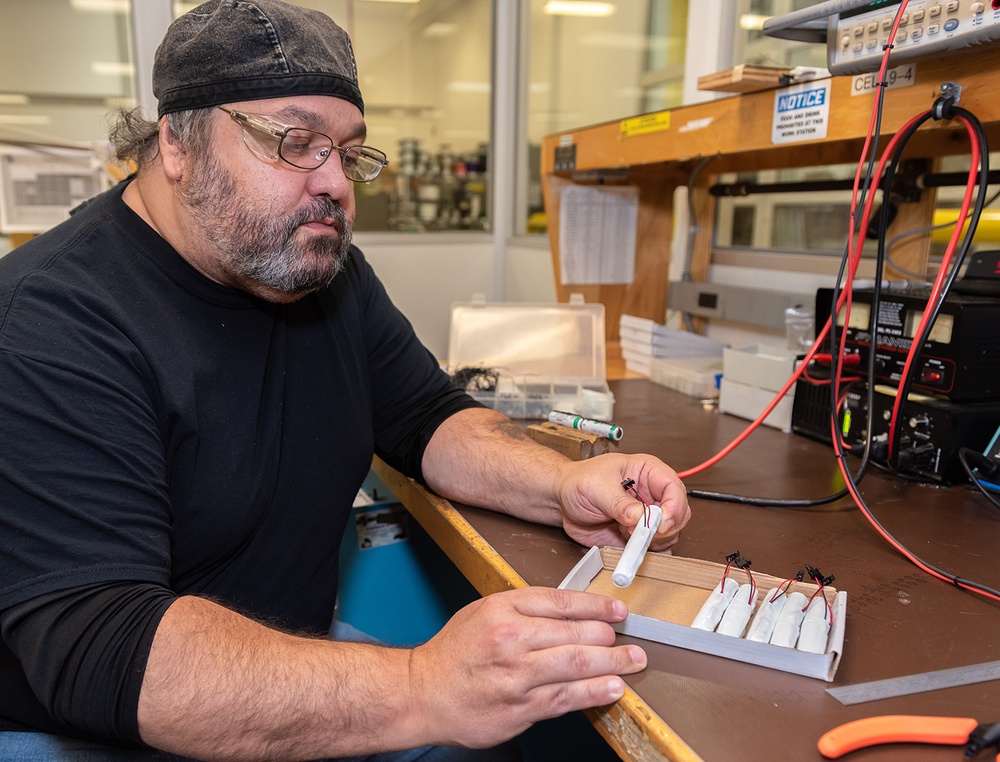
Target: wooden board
[[745, 78]]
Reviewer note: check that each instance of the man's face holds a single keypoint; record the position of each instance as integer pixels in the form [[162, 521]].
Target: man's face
[[279, 232]]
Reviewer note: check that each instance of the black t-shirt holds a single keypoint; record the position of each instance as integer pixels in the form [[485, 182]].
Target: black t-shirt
[[163, 431]]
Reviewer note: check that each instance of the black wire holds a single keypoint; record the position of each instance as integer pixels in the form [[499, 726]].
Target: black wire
[[767, 502], [863, 467], [980, 138], [963, 459], [935, 309], [880, 256], [886, 184]]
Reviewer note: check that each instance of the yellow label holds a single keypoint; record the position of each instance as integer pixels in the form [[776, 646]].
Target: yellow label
[[643, 125], [847, 422]]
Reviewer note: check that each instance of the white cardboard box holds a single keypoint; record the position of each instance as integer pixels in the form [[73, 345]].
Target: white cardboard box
[[748, 402], [668, 592], [760, 365]]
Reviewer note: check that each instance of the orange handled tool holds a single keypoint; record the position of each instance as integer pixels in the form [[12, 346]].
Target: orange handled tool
[[900, 728]]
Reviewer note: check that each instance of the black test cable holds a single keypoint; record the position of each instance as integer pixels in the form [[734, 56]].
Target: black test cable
[[964, 584], [948, 111], [845, 259], [963, 457]]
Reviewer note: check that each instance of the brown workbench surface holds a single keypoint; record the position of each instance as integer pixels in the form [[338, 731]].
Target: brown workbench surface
[[900, 621]]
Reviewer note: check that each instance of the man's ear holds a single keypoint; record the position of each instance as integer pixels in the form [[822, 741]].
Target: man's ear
[[171, 154]]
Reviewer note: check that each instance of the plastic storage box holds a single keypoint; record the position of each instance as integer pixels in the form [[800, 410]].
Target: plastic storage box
[[752, 376], [537, 357], [695, 376]]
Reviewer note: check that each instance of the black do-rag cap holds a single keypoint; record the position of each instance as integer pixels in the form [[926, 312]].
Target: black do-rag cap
[[244, 50]]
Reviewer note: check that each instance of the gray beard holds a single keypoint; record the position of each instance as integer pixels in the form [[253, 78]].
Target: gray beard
[[258, 247]]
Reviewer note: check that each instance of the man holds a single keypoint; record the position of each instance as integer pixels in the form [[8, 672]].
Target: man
[[195, 372]]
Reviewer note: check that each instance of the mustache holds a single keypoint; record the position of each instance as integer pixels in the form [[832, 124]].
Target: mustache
[[321, 208]]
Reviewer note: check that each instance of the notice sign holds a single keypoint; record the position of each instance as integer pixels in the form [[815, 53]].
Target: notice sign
[[801, 112]]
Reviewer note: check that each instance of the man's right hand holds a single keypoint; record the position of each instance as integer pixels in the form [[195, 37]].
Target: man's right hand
[[511, 659]]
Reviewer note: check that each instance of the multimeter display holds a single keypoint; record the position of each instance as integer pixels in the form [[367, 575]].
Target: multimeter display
[[874, 5]]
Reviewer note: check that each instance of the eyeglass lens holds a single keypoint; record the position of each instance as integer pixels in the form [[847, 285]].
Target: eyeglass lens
[[361, 163], [305, 148]]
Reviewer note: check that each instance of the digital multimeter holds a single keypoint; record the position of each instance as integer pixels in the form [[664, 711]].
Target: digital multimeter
[[856, 31]]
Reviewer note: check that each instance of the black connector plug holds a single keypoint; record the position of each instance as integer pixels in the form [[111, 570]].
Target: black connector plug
[[985, 467]]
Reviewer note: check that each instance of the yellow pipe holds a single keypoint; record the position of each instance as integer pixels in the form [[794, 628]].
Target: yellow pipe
[[988, 230]]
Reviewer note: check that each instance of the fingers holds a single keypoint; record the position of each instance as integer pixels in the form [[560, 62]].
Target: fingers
[[574, 663], [563, 687], [511, 659], [567, 604]]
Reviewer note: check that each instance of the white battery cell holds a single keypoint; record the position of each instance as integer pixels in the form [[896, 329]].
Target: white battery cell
[[636, 547], [786, 629], [738, 612], [767, 616], [715, 606], [815, 627]]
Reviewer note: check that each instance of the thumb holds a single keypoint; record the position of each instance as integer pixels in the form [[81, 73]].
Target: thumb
[[629, 512]]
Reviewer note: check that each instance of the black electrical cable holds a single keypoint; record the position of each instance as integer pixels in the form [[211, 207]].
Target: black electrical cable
[[767, 502], [977, 211], [890, 175], [845, 260], [835, 354], [963, 458], [959, 582]]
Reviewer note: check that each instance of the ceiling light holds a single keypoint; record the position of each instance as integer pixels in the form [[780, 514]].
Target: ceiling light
[[469, 87], [579, 8], [100, 6], [112, 68], [35, 119], [752, 22], [13, 99], [439, 29], [409, 2]]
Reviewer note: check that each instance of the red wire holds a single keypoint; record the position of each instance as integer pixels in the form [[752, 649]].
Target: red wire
[[845, 298], [842, 463], [938, 281], [820, 591], [852, 268], [646, 512]]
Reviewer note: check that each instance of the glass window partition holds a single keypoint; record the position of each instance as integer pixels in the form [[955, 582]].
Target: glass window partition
[[590, 62], [425, 72]]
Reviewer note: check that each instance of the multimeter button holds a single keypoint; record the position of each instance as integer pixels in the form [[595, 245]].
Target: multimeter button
[[977, 8], [951, 25], [935, 10]]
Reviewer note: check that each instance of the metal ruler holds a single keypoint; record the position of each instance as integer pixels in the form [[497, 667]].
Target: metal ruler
[[926, 681]]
